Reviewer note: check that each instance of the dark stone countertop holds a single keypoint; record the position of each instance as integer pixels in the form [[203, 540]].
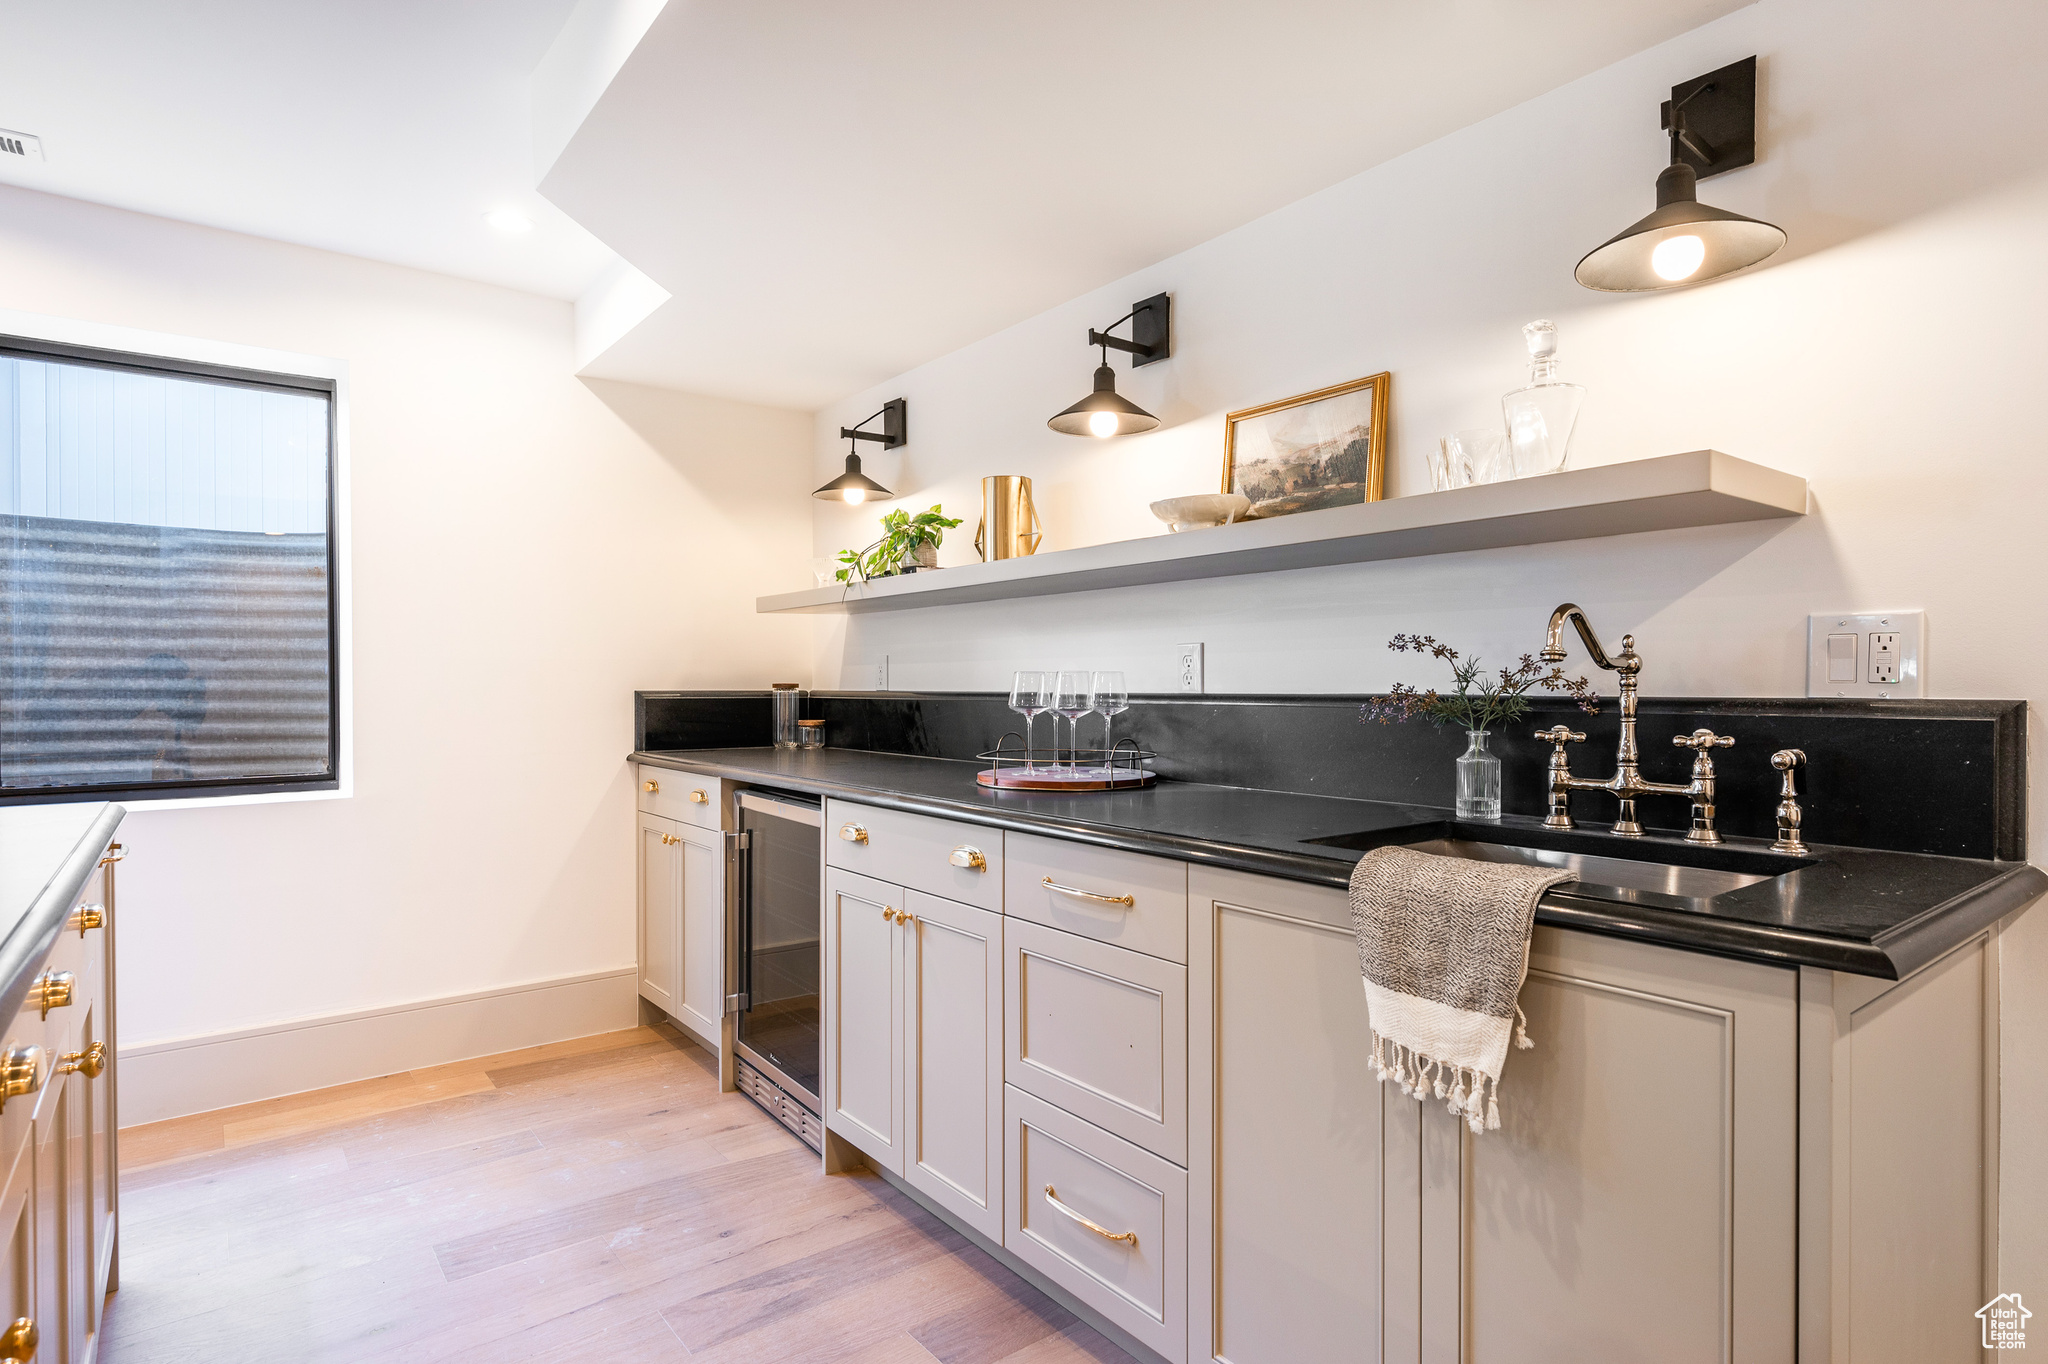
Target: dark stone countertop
[[47, 852], [1857, 910]]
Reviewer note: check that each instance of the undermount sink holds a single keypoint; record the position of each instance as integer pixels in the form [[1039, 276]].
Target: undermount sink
[[1594, 873], [1629, 879]]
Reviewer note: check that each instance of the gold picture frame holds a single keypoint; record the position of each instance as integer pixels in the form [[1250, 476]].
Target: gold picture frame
[[1308, 461]]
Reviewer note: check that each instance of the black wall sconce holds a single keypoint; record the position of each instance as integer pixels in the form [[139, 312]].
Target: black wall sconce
[[1712, 122], [1103, 413], [853, 486]]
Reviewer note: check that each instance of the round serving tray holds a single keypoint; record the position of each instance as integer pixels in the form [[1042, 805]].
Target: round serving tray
[[1065, 779]]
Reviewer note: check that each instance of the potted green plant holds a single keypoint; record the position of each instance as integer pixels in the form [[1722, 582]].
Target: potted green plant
[[908, 543], [1480, 702]]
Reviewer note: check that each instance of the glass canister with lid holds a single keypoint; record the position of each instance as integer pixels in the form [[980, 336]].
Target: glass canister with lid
[[786, 703]]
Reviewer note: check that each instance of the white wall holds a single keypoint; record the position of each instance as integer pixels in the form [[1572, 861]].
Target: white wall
[[1892, 355], [528, 548]]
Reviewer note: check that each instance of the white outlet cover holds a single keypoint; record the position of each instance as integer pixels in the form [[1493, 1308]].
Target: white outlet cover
[[1187, 667], [1909, 626]]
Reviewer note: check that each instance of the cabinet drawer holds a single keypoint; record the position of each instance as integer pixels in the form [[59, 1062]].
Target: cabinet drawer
[[916, 851], [1101, 1032], [684, 796], [1080, 889], [1131, 1265]]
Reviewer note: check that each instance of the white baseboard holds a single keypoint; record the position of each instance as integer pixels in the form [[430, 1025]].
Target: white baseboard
[[196, 1074]]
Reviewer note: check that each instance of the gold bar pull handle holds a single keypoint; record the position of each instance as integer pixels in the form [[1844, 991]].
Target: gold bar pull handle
[[1096, 1227], [969, 857], [1128, 902]]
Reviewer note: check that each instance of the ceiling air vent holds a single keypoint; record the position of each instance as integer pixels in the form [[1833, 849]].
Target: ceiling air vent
[[26, 146]]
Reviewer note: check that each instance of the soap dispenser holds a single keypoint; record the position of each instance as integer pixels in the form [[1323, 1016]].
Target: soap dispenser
[[1540, 417]]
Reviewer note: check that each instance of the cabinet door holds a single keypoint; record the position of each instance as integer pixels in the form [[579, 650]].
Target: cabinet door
[[19, 1262], [863, 1061], [1637, 1201], [661, 913], [1303, 1170], [953, 1058], [53, 1255], [701, 883]]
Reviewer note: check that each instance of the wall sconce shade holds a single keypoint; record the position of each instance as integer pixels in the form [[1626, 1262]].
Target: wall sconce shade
[[853, 486], [1712, 122], [1104, 412]]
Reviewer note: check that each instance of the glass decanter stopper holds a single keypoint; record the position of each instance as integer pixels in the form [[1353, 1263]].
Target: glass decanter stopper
[[1540, 417]]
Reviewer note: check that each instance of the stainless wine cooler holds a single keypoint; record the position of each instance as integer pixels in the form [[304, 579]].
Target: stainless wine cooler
[[774, 956]]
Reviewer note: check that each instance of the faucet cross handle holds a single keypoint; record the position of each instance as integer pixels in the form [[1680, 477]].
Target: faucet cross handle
[[1560, 816], [1700, 740]]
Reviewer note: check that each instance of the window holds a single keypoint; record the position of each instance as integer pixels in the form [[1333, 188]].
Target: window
[[167, 578]]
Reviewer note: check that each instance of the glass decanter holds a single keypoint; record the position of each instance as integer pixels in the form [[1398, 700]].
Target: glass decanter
[[1478, 778], [1540, 417]]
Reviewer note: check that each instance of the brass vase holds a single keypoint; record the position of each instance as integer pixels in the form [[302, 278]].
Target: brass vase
[[1009, 527]]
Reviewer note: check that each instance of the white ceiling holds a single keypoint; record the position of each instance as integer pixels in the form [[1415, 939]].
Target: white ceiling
[[381, 128], [834, 193]]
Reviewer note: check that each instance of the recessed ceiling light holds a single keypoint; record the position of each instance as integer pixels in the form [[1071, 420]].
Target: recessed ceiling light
[[509, 220]]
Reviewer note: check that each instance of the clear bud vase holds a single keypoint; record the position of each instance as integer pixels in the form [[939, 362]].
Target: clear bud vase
[[1478, 779]]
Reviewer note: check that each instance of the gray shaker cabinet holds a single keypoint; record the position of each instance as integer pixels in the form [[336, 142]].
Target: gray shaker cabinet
[[1638, 1202]]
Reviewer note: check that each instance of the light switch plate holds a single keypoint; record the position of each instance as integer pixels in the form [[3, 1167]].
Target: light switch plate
[[1881, 651]]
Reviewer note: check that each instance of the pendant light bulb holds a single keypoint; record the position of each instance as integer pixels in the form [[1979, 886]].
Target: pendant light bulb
[[1101, 424], [1677, 258], [855, 496]]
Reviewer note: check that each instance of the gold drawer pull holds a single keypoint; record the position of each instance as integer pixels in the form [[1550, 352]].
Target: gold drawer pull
[[852, 833], [1095, 1227], [89, 1063], [699, 798], [88, 916], [650, 785], [1125, 900], [52, 990], [18, 1342], [22, 1071], [968, 857]]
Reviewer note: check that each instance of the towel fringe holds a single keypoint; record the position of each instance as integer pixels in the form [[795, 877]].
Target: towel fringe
[[1471, 1094], [1522, 1042]]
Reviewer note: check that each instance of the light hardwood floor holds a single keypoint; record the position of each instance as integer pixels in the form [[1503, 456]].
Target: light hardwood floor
[[588, 1200]]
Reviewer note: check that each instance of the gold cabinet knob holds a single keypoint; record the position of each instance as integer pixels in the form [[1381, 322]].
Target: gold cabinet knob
[[89, 1063], [699, 798], [667, 839], [968, 857], [650, 785], [22, 1071], [88, 916], [904, 916], [52, 990], [888, 915], [19, 1341], [852, 833]]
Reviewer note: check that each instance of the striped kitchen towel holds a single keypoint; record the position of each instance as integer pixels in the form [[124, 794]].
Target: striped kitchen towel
[[1443, 944]]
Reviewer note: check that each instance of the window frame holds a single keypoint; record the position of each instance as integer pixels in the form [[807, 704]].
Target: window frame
[[205, 791]]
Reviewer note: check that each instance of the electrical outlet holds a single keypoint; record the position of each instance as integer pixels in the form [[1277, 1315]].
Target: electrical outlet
[[1187, 667], [1873, 655], [882, 674]]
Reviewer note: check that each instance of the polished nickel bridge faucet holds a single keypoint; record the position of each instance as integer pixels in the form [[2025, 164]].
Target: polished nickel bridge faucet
[[1627, 783]]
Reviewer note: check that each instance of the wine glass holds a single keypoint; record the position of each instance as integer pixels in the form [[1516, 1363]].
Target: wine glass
[[1070, 698], [1108, 698], [1031, 697]]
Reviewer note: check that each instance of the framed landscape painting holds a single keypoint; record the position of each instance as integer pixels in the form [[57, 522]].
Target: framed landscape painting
[[1323, 449]]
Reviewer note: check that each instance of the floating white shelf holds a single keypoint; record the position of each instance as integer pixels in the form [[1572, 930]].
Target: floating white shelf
[[1699, 488]]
